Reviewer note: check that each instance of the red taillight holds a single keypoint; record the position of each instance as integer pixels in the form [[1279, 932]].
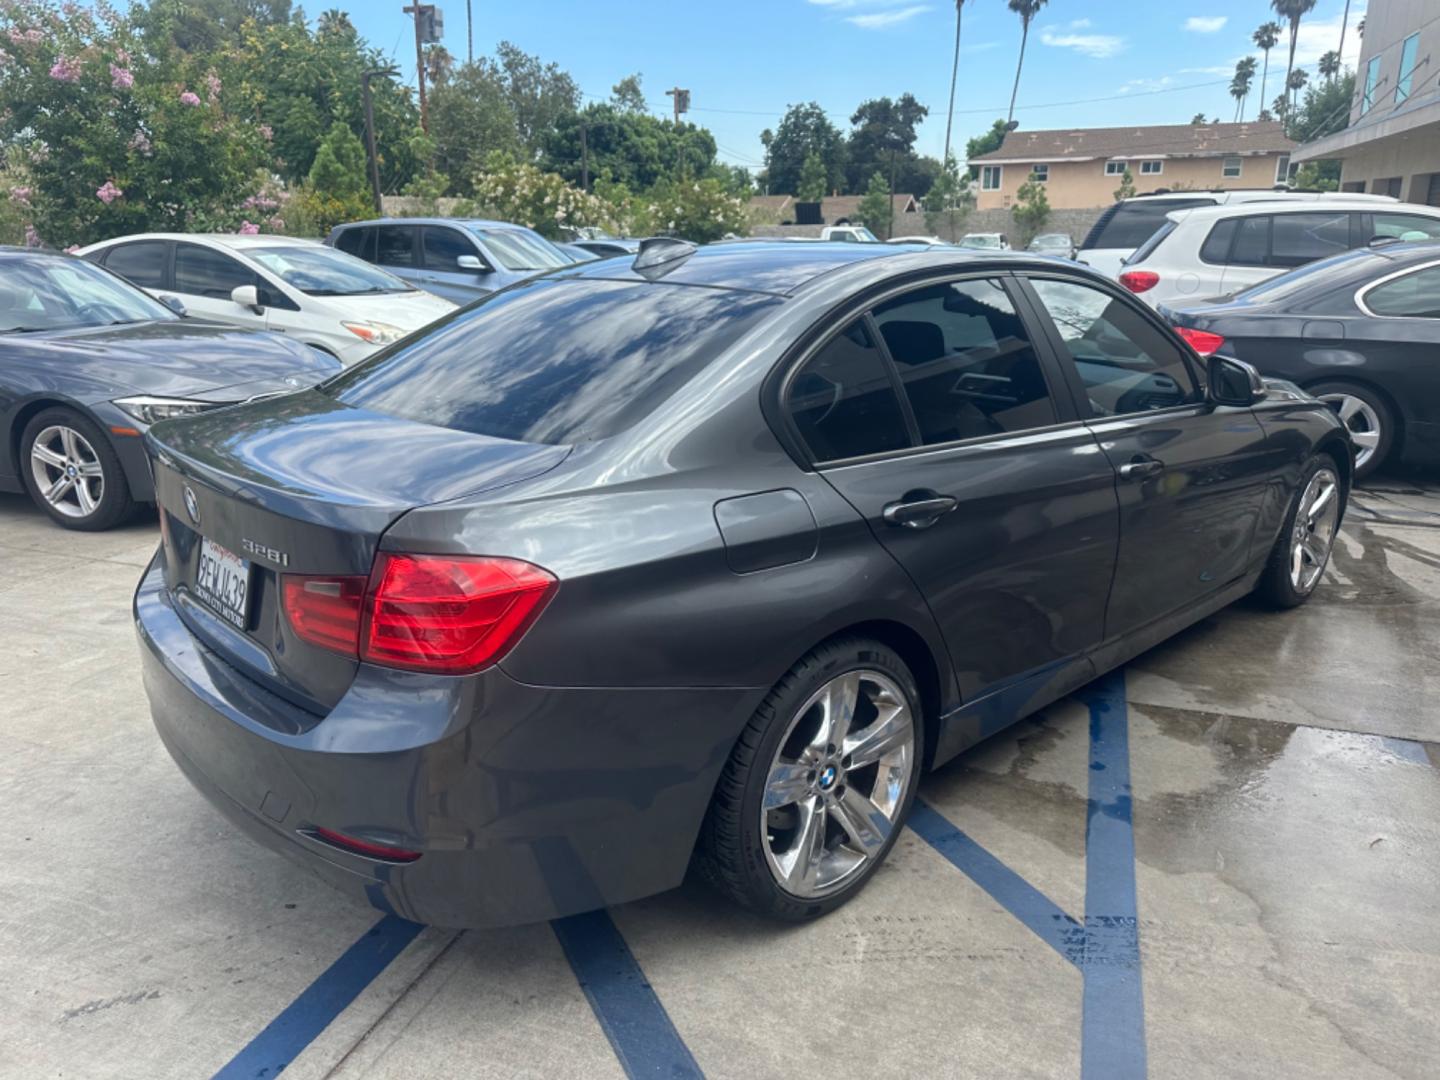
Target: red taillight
[[449, 614], [325, 610], [367, 848], [1138, 281], [1202, 341]]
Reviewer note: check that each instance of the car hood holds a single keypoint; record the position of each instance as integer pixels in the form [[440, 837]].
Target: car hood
[[175, 358], [407, 310]]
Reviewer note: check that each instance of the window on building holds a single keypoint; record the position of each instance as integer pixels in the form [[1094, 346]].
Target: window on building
[[1407, 67], [1282, 168], [990, 177], [1372, 80], [1114, 168], [1230, 168], [1040, 173], [1151, 168]]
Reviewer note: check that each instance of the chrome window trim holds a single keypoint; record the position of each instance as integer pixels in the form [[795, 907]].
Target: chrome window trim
[[1050, 433], [1365, 290]]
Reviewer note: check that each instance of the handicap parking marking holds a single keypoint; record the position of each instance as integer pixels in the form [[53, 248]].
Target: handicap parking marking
[[1106, 947]]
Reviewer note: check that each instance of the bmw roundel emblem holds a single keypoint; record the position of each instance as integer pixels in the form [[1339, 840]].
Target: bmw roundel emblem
[[192, 505]]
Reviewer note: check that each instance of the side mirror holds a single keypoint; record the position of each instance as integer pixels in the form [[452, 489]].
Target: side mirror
[[1232, 382], [470, 262], [247, 296], [173, 303]]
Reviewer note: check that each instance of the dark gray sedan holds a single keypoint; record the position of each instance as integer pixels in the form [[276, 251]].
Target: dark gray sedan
[[704, 555], [88, 362]]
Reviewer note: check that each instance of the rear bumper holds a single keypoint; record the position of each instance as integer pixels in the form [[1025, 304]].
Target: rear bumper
[[527, 803]]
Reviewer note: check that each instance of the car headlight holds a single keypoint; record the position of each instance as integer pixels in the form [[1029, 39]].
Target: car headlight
[[151, 410], [376, 333]]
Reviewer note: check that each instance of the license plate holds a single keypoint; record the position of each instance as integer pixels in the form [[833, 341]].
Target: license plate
[[222, 581]]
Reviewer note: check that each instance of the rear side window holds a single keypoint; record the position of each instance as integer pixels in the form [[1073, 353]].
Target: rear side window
[[141, 263], [965, 361], [843, 400], [395, 245], [358, 242], [1296, 239], [1216, 249], [1252, 242], [554, 361], [1406, 227], [1133, 222], [1414, 296]]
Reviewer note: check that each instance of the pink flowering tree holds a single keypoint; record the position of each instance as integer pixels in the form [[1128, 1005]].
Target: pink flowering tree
[[116, 137]]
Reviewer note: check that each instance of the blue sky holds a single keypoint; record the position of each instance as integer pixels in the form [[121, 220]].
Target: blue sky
[[745, 60]]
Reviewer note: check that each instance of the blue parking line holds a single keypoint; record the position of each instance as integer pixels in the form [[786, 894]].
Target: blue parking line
[[637, 1025], [1405, 749], [1112, 1042], [1039, 914], [321, 1002]]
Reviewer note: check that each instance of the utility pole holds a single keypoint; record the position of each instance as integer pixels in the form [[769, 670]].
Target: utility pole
[[469, 34], [365, 77], [584, 156], [681, 100], [429, 29]]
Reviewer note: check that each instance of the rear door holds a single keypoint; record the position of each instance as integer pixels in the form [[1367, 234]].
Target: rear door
[[143, 263], [1268, 244], [1190, 477], [936, 417], [397, 249]]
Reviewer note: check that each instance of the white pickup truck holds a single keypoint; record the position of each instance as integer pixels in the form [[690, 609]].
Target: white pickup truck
[[853, 234]]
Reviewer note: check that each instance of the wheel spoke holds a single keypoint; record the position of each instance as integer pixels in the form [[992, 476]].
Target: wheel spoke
[[92, 469], [786, 784], [1349, 406], [1315, 552], [837, 707], [71, 444], [863, 821], [82, 493], [802, 865], [1321, 501], [41, 452], [890, 731], [1297, 563], [56, 491], [1366, 439]]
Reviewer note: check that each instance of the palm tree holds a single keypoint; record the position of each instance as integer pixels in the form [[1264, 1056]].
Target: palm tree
[[954, 70], [1241, 83], [1027, 10], [1295, 83], [1329, 65], [1265, 38], [1293, 10], [1344, 19]]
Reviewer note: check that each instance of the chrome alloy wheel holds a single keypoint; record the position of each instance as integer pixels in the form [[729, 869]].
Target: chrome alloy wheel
[[1314, 531], [837, 783], [67, 471], [1362, 422]]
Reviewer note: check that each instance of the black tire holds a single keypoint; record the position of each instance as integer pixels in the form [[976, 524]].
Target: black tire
[[731, 854], [1384, 415], [1276, 587], [114, 504]]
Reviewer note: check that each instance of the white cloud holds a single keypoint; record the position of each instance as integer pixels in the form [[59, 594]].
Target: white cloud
[[876, 20], [1099, 46], [1206, 24]]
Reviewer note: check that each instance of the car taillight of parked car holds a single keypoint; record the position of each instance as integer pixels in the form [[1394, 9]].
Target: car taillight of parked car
[[421, 612], [1202, 341], [1138, 281]]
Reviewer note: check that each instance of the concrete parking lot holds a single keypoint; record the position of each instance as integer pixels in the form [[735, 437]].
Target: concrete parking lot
[[1223, 861]]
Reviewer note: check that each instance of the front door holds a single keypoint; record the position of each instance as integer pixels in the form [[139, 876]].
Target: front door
[[938, 420], [1190, 477], [442, 273], [204, 279]]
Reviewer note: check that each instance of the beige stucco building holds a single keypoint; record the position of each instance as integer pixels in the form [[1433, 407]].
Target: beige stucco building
[[1081, 168], [1392, 145]]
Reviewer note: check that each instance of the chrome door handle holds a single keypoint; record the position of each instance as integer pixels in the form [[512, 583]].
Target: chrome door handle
[[918, 513], [1140, 468]]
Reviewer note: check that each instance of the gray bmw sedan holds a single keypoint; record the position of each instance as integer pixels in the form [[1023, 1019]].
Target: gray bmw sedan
[[701, 557]]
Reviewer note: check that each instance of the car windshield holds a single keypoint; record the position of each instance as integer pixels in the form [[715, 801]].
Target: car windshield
[[51, 292], [1053, 240], [553, 360], [323, 271], [859, 232], [980, 241], [515, 249]]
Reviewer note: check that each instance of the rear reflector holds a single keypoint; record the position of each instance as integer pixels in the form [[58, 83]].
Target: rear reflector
[[367, 848], [1138, 281], [1202, 341], [325, 610], [449, 614]]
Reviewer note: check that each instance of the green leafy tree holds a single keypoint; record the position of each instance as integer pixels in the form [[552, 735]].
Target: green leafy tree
[[521, 192], [1296, 82], [1241, 83], [1198, 120], [1126, 190], [984, 144], [875, 207], [812, 180], [1324, 111], [1031, 209], [697, 210], [803, 130], [949, 201], [1266, 36], [634, 149], [627, 95], [1292, 11], [470, 119], [1329, 65], [336, 189], [1318, 176], [1027, 10], [882, 139], [539, 94]]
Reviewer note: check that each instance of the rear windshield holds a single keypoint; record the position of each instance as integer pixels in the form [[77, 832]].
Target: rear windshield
[[564, 361], [1129, 224], [1337, 268]]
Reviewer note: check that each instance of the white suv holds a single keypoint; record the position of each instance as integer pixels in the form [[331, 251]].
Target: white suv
[[1130, 222], [1218, 250]]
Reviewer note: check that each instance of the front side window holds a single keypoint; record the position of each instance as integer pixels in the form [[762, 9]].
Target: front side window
[[558, 362], [395, 245], [201, 271], [141, 263], [843, 400], [990, 177], [965, 361], [443, 248], [53, 293], [1300, 238], [1414, 296], [1152, 168], [1125, 362], [1407, 67], [1230, 168], [1372, 82]]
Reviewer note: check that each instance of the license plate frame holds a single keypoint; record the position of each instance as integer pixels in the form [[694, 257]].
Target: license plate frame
[[222, 582]]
